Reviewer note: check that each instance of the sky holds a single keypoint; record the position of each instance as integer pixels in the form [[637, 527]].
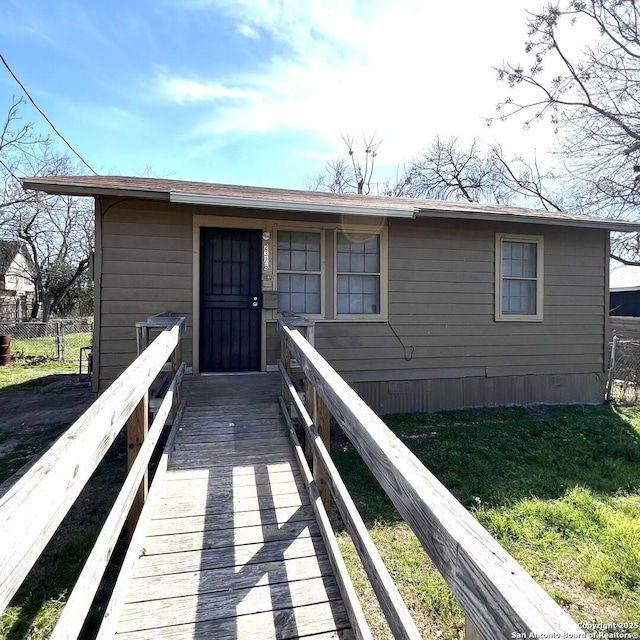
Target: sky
[[260, 92]]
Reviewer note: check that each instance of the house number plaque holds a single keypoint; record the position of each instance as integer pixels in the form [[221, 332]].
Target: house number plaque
[[266, 252]]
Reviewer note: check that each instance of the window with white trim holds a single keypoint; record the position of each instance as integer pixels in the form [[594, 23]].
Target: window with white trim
[[358, 274], [519, 277], [299, 272]]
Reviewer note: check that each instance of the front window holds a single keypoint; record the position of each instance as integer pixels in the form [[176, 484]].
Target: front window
[[519, 277], [299, 270], [357, 274]]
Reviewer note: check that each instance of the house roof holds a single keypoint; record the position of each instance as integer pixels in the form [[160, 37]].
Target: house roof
[[9, 249], [182, 191], [624, 277]]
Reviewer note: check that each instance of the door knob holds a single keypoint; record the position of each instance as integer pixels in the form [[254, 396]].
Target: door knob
[[255, 301]]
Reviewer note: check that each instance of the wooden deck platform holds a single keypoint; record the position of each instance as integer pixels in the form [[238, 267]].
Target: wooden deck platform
[[233, 549]]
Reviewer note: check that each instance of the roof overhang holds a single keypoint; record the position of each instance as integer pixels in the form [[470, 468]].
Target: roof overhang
[[263, 198], [180, 197], [59, 188], [521, 216]]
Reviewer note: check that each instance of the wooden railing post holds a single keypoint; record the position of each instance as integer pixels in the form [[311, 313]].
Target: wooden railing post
[[310, 406], [285, 357], [137, 428], [321, 419], [176, 361]]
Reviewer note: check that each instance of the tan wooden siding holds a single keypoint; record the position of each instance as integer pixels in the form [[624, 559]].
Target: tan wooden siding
[[441, 305], [147, 255]]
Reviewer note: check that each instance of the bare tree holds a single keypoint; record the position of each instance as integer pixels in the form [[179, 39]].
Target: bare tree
[[448, 171], [17, 142], [348, 173], [591, 95], [58, 231]]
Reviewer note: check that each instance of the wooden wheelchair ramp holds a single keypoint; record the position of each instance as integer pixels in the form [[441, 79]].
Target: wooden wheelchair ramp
[[233, 549]]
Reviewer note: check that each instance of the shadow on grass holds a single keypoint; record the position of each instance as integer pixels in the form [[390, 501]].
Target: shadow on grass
[[34, 413], [37, 374], [36, 606], [499, 456]]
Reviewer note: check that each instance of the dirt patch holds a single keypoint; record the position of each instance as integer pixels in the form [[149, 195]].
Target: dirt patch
[[34, 415], [52, 399]]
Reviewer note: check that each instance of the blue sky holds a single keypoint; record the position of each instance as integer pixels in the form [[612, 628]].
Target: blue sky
[[260, 91]]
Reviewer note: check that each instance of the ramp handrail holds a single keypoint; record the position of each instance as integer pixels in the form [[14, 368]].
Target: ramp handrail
[[499, 598], [32, 510]]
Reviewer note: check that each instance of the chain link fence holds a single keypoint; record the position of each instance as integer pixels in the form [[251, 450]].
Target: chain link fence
[[623, 383], [60, 339]]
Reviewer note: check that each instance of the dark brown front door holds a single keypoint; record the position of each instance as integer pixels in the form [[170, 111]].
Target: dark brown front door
[[230, 299]]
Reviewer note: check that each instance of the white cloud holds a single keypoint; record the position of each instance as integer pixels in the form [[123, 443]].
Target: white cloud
[[407, 70], [183, 90], [248, 31]]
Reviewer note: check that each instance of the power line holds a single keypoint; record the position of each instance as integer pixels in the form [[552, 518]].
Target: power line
[[13, 175], [45, 117]]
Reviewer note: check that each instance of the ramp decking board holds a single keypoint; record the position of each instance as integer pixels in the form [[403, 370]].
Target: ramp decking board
[[233, 549], [166, 526]]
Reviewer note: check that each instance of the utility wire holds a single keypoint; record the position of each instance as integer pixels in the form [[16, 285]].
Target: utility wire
[[45, 117], [13, 175]]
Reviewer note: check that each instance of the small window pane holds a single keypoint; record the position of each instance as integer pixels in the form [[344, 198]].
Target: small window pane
[[355, 304], [284, 301], [343, 262], [313, 260], [357, 263], [312, 303], [284, 240], [370, 304], [298, 241], [297, 303], [313, 242], [355, 284], [372, 244], [313, 284], [372, 263], [343, 243], [370, 285], [298, 261], [297, 282]]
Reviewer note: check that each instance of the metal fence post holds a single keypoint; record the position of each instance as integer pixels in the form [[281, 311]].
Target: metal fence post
[[612, 367], [58, 341]]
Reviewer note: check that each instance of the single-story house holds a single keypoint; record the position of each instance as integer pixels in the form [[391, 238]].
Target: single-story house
[[17, 290], [624, 290], [420, 305]]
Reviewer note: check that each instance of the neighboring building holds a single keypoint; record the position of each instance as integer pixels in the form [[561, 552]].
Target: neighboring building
[[624, 290], [420, 305], [17, 290]]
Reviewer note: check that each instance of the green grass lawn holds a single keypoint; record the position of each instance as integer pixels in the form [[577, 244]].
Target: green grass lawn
[[559, 487], [47, 346], [21, 371]]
